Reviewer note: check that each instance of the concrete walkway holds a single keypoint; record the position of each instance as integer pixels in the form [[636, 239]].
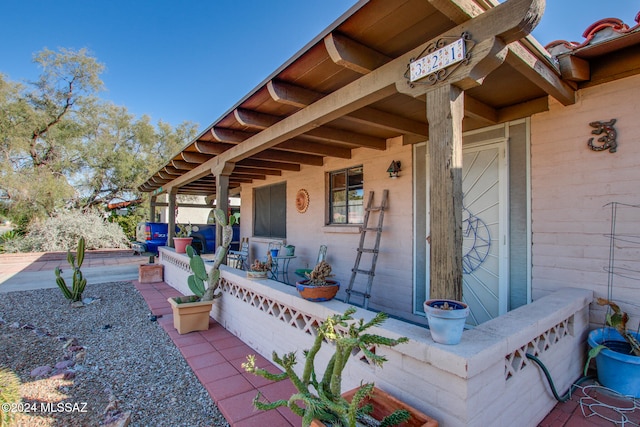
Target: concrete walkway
[[22, 272]]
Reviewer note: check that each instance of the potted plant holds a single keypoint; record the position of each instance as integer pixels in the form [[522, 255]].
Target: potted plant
[[319, 396], [259, 269], [617, 352], [317, 286], [446, 319], [191, 313], [183, 238]]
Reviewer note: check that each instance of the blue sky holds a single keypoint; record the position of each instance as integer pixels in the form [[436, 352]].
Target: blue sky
[[193, 60]]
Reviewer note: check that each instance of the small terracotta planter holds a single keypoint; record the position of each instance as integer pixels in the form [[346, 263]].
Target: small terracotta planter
[[190, 316], [318, 293], [383, 405], [181, 243]]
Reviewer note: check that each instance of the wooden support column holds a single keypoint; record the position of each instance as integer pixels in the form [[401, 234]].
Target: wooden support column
[[445, 111], [152, 208], [222, 173], [171, 217]]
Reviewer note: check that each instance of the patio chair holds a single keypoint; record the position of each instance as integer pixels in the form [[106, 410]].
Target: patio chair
[[322, 255], [238, 259]]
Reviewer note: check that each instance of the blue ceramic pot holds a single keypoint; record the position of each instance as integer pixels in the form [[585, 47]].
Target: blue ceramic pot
[[617, 368]]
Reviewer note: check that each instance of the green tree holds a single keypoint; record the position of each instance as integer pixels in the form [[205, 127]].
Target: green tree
[[63, 147]]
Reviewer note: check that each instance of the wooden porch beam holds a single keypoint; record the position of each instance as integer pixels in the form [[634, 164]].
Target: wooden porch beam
[[540, 74], [289, 94], [353, 55], [253, 163], [285, 156], [230, 135], [509, 21], [213, 148], [300, 146], [324, 134], [240, 170], [255, 119], [524, 109], [479, 111], [182, 165], [392, 122], [191, 157]]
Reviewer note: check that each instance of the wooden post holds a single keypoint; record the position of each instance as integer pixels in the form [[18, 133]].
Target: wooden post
[[445, 111], [152, 208], [222, 193], [171, 217]]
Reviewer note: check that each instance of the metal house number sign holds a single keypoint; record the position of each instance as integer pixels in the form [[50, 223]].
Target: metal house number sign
[[438, 60]]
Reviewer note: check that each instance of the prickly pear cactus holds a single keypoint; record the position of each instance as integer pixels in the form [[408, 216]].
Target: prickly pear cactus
[[79, 282], [197, 280]]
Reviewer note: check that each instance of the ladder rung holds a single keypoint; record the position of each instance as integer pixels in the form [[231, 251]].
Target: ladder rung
[[351, 291], [370, 251], [373, 209], [368, 272], [371, 229]]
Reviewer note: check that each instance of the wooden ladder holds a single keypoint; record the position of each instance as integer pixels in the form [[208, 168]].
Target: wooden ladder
[[361, 249]]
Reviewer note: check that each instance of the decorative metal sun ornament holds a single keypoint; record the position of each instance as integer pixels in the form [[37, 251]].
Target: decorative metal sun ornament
[[477, 239]]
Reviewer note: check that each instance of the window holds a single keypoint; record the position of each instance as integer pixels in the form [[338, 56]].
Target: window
[[270, 213], [346, 190]]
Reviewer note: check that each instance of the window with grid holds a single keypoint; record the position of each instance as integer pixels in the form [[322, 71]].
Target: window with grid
[[346, 190]]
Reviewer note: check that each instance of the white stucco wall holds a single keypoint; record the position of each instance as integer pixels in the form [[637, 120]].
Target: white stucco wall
[[393, 283], [571, 184]]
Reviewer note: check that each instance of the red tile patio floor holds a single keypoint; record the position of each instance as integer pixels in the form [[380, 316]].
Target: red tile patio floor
[[215, 357]]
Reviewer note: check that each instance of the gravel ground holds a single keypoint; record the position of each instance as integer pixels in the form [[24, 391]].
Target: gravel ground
[[121, 362]]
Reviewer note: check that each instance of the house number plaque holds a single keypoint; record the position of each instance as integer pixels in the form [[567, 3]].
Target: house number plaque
[[442, 58]]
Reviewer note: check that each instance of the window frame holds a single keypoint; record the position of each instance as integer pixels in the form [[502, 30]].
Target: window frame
[[349, 208]]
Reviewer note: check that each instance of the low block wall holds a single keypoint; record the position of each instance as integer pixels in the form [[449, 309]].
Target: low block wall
[[484, 380]]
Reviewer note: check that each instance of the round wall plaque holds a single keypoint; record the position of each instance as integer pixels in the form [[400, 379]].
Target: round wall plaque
[[302, 200]]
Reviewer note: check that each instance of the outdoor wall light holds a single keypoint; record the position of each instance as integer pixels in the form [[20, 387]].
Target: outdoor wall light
[[394, 169]]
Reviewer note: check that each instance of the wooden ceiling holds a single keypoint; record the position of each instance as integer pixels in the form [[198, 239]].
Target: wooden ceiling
[[370, 35]]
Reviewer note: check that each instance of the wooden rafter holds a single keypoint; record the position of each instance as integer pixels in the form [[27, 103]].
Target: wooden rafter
[[353, 55]]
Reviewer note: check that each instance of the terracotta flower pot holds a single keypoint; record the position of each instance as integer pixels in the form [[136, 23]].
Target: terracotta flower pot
[[318, 293], [384, 404], [190, 316], [181, 243]]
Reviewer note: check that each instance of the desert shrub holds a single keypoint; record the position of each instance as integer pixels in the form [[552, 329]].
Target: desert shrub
[[63, 230]]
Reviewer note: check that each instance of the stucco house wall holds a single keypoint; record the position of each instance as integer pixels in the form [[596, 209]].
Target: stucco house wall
[[393, 283], [571, 184]]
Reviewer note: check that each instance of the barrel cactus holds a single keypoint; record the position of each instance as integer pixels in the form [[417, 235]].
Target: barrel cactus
[[79, 282], [199, 277]]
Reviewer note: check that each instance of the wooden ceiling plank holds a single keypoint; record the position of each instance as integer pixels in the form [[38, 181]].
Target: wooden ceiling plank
[[285, 156], [164, 175], [509, 21], [255, 163], [458, 11], [214, 148], [480, 111], [315, 148], [540, 74], [524, 109], [230, 135], [353, 55], [289, 94], [392, 122], [255, 119], [192, 157], [182, 165], [171, 170], [263, 171], [345, 137]]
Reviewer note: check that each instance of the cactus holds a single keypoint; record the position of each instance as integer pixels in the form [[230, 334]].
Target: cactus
[[322, 399], [319, 274], [197, 280], [79, 282]]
